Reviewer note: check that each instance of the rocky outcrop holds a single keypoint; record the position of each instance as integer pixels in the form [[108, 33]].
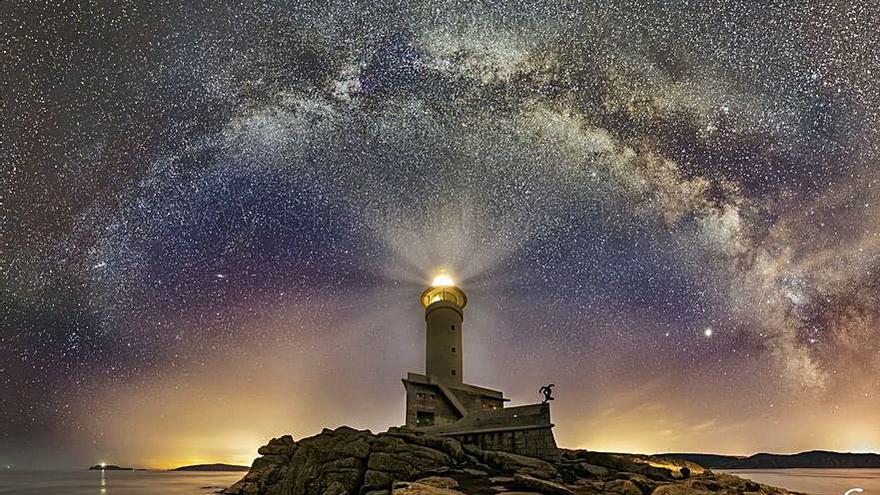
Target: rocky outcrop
[[346, 461]]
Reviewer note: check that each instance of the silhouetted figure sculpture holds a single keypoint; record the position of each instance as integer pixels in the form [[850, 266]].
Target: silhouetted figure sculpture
[[547, 390]]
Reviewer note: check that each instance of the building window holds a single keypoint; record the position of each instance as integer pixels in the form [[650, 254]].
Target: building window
[[453, 350], [433, 396], [424, 418], [453, 372], [452, 329]]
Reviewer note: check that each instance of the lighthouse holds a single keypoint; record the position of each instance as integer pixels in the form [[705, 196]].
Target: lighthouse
[[440, 402], [444, 313]]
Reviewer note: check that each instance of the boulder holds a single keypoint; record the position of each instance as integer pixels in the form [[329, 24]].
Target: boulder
[[332, 461], [542, 486], [511, 463], [677, 490], [335, 489], [374, 479], [448, 446], [422, 489], [474, 472], [622, 487], [278, 446], [275, 450], [501, 479], [392, 458], [587, 469], [273, 459], [586, 487], [439, 481], [645, 484]]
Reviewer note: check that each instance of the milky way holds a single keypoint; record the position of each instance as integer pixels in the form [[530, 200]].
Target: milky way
[[669, 209]]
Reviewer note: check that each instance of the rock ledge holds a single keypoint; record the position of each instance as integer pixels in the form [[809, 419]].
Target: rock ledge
[[346, 461]]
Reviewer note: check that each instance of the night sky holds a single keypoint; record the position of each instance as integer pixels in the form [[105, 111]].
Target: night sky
[[217, 220]]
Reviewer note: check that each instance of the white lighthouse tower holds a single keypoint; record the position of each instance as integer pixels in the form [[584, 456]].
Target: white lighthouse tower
[[444, 313]]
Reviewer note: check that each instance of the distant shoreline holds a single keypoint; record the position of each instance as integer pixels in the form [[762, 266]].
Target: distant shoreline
[[215, 467], [212, 467], [814, 459], [109, 467]]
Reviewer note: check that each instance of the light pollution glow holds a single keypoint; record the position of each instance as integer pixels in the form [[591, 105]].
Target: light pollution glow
[[222, 411]]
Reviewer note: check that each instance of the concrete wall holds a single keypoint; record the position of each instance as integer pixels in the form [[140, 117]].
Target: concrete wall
[[538, 442], [509, 418], [475, 401]]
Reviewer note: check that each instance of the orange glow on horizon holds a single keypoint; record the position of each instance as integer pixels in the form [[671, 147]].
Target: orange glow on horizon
[[297, 383]]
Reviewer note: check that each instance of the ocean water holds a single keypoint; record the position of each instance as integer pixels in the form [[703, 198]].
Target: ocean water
[[115, 482], [812, 481], [817, 481]]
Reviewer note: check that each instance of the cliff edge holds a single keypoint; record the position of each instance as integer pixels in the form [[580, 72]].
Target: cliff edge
[[346, 461]]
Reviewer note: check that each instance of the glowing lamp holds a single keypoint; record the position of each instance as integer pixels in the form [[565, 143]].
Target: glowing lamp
[[443, 289], [442, 280]]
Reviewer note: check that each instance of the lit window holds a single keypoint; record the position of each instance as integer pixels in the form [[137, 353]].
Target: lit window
[[424, 418]]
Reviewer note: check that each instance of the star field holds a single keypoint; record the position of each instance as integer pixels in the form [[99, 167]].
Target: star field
[[216, 214]]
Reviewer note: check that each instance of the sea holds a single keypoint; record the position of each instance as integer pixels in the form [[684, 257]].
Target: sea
[[812, 481], [817, 481], [115, 482]]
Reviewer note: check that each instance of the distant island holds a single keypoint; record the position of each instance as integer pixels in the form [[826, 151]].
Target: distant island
[[110, 467], [212, 467], [816, 459]]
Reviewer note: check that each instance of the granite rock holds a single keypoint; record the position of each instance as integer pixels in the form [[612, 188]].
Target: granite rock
[[345, 461]]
